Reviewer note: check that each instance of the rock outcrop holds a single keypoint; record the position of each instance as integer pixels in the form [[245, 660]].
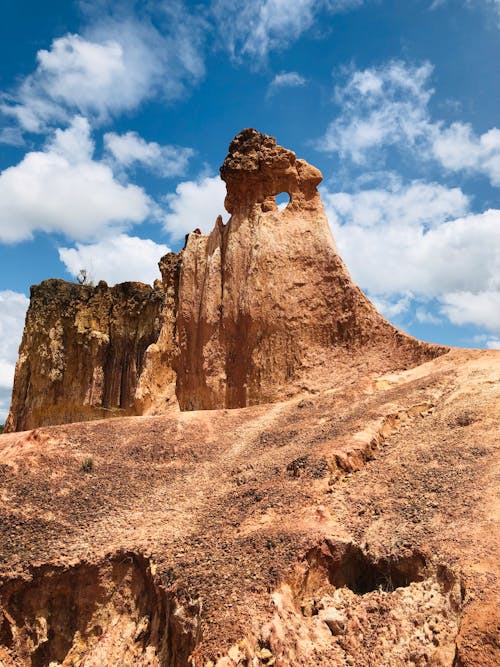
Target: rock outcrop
[[353, 523], [82, 352], [265, 302], [251, 313]]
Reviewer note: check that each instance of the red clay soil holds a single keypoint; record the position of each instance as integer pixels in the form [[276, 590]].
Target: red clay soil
[[351, 526]]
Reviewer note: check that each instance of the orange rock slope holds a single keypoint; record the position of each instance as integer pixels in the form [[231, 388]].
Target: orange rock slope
[[353, 521]]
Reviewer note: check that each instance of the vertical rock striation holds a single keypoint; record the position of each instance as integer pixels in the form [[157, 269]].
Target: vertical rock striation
[[265, 302], [255, 311], [155, 391], [82, 352]]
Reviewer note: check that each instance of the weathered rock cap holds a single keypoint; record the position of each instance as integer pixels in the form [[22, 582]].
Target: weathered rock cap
[[257, 169]]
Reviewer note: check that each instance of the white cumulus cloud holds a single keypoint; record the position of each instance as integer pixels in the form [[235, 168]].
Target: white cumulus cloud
[[195, 204], [116, 259], [117, 62], [482, 308], [457, 147], [417, 204], [253, 29], [388, 106], [13, 307], [63, 189], [76, 74], [130, 149], [379, 107], [421, 241]]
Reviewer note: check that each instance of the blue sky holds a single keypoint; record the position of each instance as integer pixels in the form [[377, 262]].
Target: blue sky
[[115, 116]]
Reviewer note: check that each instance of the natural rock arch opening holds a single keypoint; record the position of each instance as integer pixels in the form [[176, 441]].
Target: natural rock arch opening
[[282, 200]]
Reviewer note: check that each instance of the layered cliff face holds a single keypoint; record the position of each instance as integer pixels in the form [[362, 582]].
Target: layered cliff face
[[254, 312], [82, 352]]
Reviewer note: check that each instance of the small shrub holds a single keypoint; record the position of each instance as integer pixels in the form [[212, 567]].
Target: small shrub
[[84, 278], [87, 465], [1, 428], [465, 418]]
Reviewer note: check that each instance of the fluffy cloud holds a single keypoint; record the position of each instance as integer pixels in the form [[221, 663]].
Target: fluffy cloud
[[13, 307], [285, 80], [130, 149], [195, 204], [74, 73], [458, 147], [420, 242], [253, 29], [116, 64], [116, 259], [416, 205], [62, 189], [379, 107], [389, 106], [481, 308]]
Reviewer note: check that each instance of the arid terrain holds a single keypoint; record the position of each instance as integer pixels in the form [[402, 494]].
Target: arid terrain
[[344, 511]]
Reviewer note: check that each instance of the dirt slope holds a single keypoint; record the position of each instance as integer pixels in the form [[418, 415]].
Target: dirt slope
[[357, 525]]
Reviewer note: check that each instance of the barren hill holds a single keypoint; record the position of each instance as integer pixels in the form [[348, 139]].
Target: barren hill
[[343, 512]]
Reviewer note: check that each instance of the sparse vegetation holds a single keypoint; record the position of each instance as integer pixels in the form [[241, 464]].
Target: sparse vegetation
[[84, 278], [87, 465], [1, 428], [465, 418]]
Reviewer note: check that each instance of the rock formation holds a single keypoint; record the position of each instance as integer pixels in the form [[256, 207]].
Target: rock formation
[[252, 313], [351, 522], [266, 302], [82, 352]]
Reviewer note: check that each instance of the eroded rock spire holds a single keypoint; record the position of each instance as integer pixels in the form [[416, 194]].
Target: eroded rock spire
[[258, 310], [256, 169]]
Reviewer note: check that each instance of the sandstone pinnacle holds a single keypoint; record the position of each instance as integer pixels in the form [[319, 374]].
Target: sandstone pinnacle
[[252, 313]]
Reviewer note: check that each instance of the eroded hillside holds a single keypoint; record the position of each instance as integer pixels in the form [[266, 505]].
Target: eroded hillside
[[353, 526], [306, 485]]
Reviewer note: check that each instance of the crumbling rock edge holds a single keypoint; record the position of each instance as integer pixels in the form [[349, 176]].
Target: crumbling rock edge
[[115, 612], [340, 602], [344, 606]]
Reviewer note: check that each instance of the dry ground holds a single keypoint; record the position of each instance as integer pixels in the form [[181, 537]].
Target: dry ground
[[356, 526]]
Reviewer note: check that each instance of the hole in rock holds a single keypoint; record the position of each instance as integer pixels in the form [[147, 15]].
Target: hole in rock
[[346, 565], [111, 613], [401, 609], [282, 200]]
